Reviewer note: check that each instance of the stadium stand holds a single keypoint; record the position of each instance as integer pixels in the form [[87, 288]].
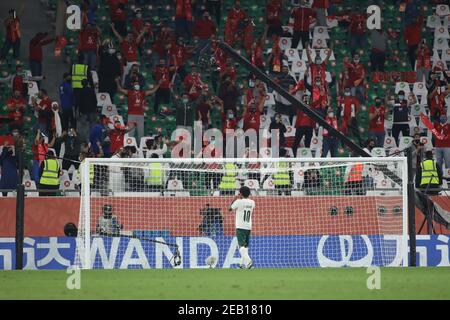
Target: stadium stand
[[173, 62]]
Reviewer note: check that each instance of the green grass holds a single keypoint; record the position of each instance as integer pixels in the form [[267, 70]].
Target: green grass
[[343, 283]]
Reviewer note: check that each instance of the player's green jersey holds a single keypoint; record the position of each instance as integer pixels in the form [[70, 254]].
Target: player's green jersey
[[244, 213]]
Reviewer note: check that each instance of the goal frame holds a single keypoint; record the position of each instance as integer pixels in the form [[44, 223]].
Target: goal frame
[[85, 189]]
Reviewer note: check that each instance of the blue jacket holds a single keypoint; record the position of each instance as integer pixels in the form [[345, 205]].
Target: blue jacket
[[66, 95]]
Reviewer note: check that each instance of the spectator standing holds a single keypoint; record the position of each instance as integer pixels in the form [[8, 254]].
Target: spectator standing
[[39, 148], [118, 12], [183, 19], [116, 136], [35, 55], [43, 112], [443, 145], [87, 111], [304, 126], [357, 74], [67, 102], [204, 29], [378, 51], [401, 112], [132, 77], [277, 124], [320, 7], [274, 15], [303, 17], [423, 62], [357, 30], [8, 163], [72, 146], [215, 8], [162, 75], [109, 69], [136, 102], [376, 122], [13, 34], [88, 40], [412, 35], [330, 142], [16, 110]]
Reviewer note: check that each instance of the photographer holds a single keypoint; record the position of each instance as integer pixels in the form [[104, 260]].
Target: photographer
[[212, 221], [108, 224]]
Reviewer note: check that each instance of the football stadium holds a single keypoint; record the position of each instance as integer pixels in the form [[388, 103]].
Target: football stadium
[[225, 149]]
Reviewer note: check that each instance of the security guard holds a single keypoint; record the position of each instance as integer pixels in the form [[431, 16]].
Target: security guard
[[155, 178], [281, 179], [227, 184], [49, 175], [79, 72], [429, 175]]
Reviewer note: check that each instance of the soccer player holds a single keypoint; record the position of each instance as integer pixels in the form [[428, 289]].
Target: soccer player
[[244, 210]]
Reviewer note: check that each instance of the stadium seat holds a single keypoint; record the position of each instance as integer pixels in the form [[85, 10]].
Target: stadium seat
[[319, 43], [304, 153], [435, 56], [268, 184], [419, 89], [299, 176], [433, 21], [446, 21], [417, 110], [383, 184], [442, 10], [440, 44], [252, 184], [103, 99], [285, 43], [113, 119], [270, 99], [109, 110], [389, 142], [404, 142], [316, 142], [30, 185], [298, 67], [130, 141], [321, 33], [324, 53], [402, 86], [292, 54], [446, 55], [265, 152], [395, 152], [427, 142], [378, 152], [33, 90], [441, 32]]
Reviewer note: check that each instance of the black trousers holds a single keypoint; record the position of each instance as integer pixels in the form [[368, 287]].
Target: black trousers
[[50, 192], [162, 95], [412, 54], [214, 9], [299, 133], [397, 128], [303, 35]]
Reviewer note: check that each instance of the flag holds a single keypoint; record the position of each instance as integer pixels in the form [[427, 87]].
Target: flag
[[427, 122]]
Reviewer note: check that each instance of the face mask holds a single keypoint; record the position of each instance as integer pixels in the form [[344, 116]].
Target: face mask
[[185, 100], [137, 87], [317, 83], [347, 93], [139, 15], [230, 116], [443, 120], [401, 97], [331, 114], [318, 61], [111, 50], [15, 133], [356, 60], [252, 110]]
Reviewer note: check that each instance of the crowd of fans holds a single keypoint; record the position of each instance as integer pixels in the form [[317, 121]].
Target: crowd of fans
[[116, 61]]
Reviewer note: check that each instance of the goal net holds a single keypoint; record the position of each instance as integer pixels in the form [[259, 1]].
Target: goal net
[[174, 213]]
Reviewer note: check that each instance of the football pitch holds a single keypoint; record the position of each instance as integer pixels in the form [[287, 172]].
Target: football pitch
[[304, 283]]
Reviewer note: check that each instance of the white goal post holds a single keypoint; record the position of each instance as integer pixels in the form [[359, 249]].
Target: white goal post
[[310, 212]]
